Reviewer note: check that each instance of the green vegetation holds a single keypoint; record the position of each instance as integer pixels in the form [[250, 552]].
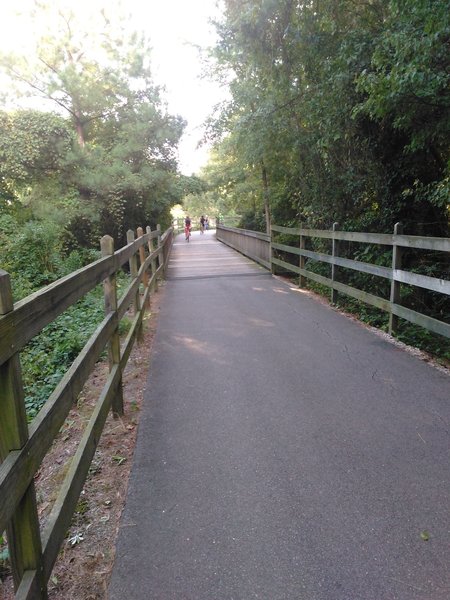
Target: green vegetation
[[339, 111], [48, 356], [100, 160], [105, 158]]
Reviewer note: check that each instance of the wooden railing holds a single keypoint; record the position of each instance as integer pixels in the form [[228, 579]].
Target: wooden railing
[[253, 244], [22, 448], [264, 249], [397, 241]]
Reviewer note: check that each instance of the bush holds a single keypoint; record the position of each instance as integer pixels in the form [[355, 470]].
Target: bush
[[48, 356]]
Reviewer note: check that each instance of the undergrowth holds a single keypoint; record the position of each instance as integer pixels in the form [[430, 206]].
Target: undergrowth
[[48, 356]]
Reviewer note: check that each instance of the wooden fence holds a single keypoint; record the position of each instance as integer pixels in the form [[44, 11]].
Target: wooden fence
[[268, 248], [253, 244], [22, 448]]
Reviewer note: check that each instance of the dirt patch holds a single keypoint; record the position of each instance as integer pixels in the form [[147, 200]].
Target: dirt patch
[[85, 561]]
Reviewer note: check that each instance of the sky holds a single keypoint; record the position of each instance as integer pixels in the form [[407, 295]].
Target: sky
[[174, 27]]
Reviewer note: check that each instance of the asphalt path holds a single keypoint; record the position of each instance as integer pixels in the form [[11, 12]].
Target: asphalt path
[[284, 452]]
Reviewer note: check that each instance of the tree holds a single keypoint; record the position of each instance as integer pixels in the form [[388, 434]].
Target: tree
[[123, 167], [83, 65], [33, 145], [406, 90], [319, 109], [33, 152]]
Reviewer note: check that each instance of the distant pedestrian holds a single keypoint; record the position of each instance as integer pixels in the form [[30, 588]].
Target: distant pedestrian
[[206, 223], [202, 224], [187, 227]]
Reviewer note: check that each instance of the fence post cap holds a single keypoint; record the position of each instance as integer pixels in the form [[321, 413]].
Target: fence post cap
[[107, 245], [6, 297]]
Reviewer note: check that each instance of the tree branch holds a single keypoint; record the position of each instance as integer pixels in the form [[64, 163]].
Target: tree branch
[[43, 93]]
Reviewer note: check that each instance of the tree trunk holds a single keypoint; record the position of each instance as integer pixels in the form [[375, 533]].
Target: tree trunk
[[79, 129]]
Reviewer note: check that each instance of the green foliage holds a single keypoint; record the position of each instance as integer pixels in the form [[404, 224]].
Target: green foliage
[[255, 221], [34, 258], [104, 164], [48, 356], [33, 255], [344, 105], [339, 111], [33, 145], [408, 81], [110, 161], [34, 249], [4, 559], [425, 340]]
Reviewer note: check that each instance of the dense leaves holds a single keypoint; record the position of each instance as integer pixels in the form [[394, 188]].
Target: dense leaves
[[109, 156], [100, 159], [339, 112], [32, 146]]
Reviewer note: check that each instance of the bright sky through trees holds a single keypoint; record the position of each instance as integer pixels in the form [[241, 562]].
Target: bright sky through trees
[[175, 28]]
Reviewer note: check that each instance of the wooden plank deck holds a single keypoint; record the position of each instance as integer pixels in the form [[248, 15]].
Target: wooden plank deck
[[204, 257]]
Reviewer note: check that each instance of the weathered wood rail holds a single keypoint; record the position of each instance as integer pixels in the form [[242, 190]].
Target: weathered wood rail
[[22, 448], [266, 249], [253, 244]]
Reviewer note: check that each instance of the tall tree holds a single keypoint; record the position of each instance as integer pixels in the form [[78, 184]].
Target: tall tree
[[98, 74], [320, 108], [82, 64]]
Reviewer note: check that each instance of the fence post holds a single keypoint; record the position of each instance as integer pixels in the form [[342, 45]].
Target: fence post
[[397, 253], [272, 265], [301, 261], [110, 298], [134, 272], [151, 248], [140, 233], [334, 268], [160, 259], [166, 251], [24, 539]]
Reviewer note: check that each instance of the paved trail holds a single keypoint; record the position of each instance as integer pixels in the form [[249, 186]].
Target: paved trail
[[284, 452]]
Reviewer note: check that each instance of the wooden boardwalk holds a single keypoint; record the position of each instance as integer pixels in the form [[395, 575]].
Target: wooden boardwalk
[[204, 257]]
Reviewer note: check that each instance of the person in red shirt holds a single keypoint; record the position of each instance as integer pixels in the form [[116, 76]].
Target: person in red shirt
[[187, 227]]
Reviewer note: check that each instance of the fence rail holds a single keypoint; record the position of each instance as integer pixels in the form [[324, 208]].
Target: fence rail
[[268, 249], [253, 244], [22, 448]]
